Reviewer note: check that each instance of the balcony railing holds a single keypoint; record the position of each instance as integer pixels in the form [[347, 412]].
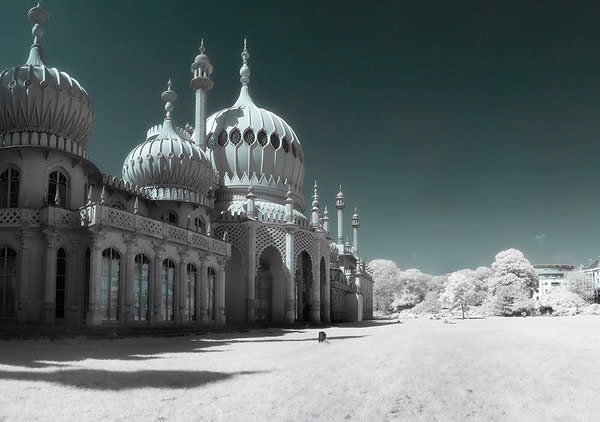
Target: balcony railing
[[48, 216], [96, 214]]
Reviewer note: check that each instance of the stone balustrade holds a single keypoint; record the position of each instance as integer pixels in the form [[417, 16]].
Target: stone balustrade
[[96, 214]]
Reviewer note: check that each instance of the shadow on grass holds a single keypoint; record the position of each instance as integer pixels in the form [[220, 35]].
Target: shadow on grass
[[366, 324], [260, 340], [116, 381], [44, 354]]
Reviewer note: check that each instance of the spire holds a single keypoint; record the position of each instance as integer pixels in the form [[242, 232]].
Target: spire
[[315, 202], [245, 70], [202, 48], [169, 97], [38, 17]]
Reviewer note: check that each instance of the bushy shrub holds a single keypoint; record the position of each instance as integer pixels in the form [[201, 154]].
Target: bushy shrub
[[430, 305], [562, 302], [593, 309]]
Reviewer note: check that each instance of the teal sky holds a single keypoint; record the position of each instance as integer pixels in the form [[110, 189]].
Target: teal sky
[[457, 128]]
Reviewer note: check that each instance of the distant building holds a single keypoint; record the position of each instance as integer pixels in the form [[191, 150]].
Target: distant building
[[551, 276], [592, 273]]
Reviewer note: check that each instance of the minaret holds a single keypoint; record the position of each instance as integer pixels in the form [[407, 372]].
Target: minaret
[[340, 204], [315, 208], [326, 221], [355, 226], [289, 206], [201, 83]]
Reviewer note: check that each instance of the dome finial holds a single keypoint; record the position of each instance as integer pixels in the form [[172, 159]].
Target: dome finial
[[169, 96], [245, 70], [202, 48], [38, 17]]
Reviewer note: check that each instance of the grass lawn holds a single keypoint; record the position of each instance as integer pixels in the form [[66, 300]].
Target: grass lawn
[[535, 369]]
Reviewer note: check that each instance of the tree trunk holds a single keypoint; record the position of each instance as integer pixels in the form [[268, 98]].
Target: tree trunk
[[462, 308]]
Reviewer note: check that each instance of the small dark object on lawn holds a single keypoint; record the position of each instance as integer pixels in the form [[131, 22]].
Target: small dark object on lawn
[[399, 322], [448, 322], [322, 336], [523, 314]]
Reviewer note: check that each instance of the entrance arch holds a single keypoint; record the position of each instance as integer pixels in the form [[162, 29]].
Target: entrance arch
[[304, 283], [270, 287], [236, 288]]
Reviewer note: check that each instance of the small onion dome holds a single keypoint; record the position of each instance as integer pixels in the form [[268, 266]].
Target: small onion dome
[[202, 60], [249, 144], [340, 194], [167, 165], [37, 98]]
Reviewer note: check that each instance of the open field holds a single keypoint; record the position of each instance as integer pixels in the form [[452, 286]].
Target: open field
[[482, 370]]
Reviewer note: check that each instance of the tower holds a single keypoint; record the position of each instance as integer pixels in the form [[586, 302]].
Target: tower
[[340, 204], [355, 226], [201, 83], [315, 208], [326, 221]]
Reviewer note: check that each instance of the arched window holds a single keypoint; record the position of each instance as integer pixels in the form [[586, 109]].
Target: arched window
[[111, 269], [212, 284], [9, 188], [262, 138], [198, 225], [275, 140], [286, 144], [61, 283], [223, 138], [167, 287], [190, 292], [8, 282], [118, 205], [141, 283], [235, 136], [249, 136], [58, 180]]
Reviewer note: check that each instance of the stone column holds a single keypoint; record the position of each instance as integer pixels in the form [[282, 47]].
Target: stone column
[[94, 316], [220, 314], [24, 274], [49, 298], [327, 298], [252, 272], [202, 291], [180, 291], [316, 291], [156, 296], [290, 304], [126, 298], [74, 286]]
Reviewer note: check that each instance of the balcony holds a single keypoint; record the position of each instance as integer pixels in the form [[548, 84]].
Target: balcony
[[47, 216], [101, 215]]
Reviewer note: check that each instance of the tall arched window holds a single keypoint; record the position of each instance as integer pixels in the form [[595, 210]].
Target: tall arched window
[[212, 284], [61, 283], [58, 180], [141, 281], [8, 282], [167, 287], [190, 292], [111, 269], [9, 188], [170, 217]]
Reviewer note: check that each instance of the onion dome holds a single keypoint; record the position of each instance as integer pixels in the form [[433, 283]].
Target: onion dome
[[251, 145], [40, 105], [168, 166]]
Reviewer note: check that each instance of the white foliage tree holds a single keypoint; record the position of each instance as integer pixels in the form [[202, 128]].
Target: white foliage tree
[[578, 284], [513, 281], [460, 291], [387, 282]]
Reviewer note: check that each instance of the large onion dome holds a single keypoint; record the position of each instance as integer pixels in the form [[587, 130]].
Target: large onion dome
[[251, 145], [40, 105], [168, 165]]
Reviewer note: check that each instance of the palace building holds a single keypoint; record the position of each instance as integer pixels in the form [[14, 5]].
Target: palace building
[[205, 226]]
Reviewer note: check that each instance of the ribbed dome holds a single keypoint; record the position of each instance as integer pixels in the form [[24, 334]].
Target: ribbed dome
[[37, 98], [168, 165], [251, 145]]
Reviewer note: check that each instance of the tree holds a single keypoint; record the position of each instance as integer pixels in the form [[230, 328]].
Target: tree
[[581, 286], [562, 302], [386, 281], [431, 304], [460, 290], [513, 281]]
